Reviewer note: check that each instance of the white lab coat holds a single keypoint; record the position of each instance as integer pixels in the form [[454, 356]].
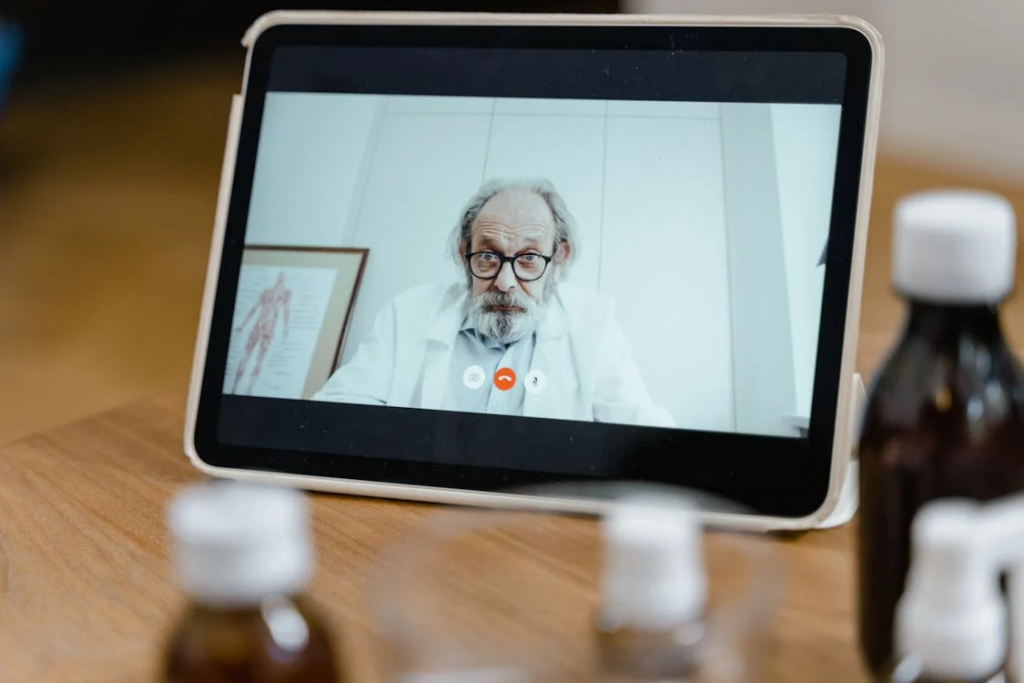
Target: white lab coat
[[591, 376]]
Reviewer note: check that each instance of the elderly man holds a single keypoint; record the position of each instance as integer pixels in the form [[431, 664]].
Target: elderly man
[[511, 339]]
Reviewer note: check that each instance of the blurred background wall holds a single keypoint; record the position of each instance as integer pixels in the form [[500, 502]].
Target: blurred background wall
[[79, 34], [954, 81]]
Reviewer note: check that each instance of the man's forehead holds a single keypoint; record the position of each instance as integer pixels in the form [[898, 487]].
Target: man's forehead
[[518, 204], [519, 210]]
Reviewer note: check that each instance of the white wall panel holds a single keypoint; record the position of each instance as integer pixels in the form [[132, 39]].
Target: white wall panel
[[424, 169], [308, 169], [665, 262]]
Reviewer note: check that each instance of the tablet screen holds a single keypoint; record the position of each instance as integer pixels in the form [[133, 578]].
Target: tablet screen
[[647, 263], [561, 237]]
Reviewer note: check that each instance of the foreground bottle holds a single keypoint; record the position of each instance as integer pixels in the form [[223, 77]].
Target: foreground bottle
[[651, 621], [952, 622], [944, 416], [243, 555]]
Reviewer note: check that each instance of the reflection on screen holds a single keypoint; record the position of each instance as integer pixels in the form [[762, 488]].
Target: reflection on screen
[[653, 263]]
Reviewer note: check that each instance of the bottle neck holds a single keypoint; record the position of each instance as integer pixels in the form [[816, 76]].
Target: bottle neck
[[209, 603], [234, 605], [947, 325]]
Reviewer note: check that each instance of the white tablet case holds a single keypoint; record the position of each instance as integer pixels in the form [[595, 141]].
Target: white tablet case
[[842, 498]]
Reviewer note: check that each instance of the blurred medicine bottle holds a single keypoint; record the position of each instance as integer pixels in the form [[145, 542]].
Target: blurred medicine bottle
[[651, 624], [243, 555], [945, 414]]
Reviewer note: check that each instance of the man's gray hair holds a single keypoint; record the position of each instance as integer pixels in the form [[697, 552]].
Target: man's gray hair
[[564, 223]]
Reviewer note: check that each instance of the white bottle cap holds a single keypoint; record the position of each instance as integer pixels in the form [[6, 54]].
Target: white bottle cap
[[237, 544], [954, 247], [653, 565], [951, 618]]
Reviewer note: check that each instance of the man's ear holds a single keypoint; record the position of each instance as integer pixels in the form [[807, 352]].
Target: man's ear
[[563, 252], [460, 251]]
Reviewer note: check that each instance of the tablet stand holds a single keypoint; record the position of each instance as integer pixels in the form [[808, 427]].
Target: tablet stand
[[849, 498]]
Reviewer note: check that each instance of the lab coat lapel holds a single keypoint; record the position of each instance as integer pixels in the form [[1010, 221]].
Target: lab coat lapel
[[438, 356], [548, 358]]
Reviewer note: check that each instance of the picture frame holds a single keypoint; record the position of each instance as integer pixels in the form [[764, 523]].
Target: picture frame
[[292, 312]]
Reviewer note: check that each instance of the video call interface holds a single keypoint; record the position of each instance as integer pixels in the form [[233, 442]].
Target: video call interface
[[645, 263]]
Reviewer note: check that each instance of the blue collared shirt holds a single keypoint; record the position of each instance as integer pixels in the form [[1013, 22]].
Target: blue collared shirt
[[475, 361]]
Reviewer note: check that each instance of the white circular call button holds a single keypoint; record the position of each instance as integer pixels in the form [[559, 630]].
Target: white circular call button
[[536, 381], [473, 377]]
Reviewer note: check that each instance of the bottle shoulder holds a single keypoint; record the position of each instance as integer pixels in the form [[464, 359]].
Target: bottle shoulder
[[918, 386], [285, 633]]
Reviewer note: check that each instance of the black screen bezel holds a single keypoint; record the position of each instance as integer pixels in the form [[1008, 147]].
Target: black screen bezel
[[773, 476]]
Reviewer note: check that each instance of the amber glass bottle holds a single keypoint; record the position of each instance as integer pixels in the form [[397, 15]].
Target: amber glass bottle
[[242, 555], [945, 414]]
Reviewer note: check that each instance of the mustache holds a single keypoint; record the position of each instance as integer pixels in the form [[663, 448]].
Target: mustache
[[489, 300]]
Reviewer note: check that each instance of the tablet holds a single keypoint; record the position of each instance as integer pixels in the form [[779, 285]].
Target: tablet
[[457, 255]]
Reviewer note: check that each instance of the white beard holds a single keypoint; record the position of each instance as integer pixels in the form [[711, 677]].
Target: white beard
[[507, 327]]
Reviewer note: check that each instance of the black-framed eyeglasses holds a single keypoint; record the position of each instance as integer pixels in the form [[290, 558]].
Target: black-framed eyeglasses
[[486, 265]]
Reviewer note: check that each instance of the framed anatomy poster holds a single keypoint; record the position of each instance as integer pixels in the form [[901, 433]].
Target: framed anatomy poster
[[291, 312]]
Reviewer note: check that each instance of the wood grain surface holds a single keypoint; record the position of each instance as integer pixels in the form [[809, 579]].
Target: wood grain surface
[[86, 591]]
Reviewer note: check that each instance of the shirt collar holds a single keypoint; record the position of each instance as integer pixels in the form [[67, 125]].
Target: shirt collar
[[470, 328]]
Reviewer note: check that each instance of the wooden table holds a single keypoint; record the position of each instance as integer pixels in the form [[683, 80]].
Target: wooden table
[[86, 592]]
